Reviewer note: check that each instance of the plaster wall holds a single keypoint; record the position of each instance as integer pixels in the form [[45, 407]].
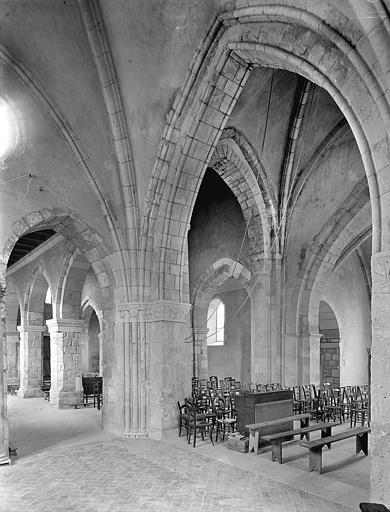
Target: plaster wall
[[91, 290], [233, 359], [47, 150], [346, 293]]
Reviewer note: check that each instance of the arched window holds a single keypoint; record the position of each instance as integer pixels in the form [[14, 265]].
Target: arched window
[[48, 296], [216, 323]]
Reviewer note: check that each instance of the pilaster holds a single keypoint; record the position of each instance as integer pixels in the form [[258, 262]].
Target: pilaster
[[261, 346], [4, 430], [12, 357], [290, 359], [380, 382], [66, 383], [315, 358], [30, 361]]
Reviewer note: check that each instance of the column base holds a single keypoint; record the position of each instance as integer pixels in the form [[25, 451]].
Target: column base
[[136, 434], [30, 393], [66, 399]]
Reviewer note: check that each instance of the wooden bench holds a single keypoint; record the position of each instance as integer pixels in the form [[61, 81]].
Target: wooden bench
[[315, 447], [277, 439], [255, 429]]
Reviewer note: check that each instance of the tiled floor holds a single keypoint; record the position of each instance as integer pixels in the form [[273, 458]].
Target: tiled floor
[[66, 463]]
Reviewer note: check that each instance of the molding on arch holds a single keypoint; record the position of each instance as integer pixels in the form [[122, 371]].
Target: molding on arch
[[217, 273], [79, 236], [257, 167], [229, 164], [100, 49], [329, 246], [338, 130], [39, 270], [235, 159], [208, 96]]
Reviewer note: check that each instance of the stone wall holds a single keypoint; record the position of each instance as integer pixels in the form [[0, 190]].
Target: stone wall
[[330, 362]]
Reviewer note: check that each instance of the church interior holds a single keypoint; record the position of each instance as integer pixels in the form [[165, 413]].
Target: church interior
[[195, 206]]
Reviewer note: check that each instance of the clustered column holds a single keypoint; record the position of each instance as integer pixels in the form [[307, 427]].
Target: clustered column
[[157, 365], [65, 342]]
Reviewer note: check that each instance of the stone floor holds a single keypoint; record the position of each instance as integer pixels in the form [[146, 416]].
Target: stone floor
[[67, 463]]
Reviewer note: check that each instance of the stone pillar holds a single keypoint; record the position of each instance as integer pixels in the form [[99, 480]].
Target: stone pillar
[[315, 358], [261, 350], [4, 432], [157, 365], [290, 359], [12, 357], [30, 361], [380, 381], [65, 345], [100, 336]]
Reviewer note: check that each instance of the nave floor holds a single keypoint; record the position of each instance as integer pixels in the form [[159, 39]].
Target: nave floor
[[67, 463]]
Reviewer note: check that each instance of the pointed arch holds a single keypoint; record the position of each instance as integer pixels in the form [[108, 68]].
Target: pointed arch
[[325, 56]]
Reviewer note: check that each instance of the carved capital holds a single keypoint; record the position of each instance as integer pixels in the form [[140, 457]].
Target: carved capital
[[380, 264], [65, 325], [153, 311]]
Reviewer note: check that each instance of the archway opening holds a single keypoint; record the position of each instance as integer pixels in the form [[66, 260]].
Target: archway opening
[[229, 332], [330, 346], [217, 244]]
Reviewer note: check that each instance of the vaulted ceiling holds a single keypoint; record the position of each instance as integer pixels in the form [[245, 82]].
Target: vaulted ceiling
[[51, 80]]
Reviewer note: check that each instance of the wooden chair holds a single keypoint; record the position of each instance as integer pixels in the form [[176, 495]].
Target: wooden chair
[[199, 423], [334, 407], [358, 411], [182, 417], [225, 421], [316, 407]]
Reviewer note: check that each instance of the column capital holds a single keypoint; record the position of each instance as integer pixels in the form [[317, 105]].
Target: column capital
[[313, 335], [31, 328], [163, 310], [65, 325]]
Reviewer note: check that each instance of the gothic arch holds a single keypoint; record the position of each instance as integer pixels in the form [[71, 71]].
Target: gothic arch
[[73, 273], [324, 56], [35, 294], [213, 277], [88, 242], [247, 180]]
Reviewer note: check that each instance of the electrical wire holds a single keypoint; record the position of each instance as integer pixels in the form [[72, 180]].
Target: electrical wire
[[17, 178], [25, 195]]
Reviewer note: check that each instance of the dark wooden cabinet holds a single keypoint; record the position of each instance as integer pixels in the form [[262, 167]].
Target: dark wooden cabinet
[[263, 406]]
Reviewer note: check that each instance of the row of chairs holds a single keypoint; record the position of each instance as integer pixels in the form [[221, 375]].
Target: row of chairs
[[331, 403], [213, 382]]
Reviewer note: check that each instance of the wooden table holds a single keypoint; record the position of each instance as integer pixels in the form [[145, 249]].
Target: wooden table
[[262, 406]]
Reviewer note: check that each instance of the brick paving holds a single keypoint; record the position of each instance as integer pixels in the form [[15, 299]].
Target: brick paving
[[142, 475], [65, 462]]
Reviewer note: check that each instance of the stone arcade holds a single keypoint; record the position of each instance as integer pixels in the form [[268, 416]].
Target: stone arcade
[[159, 155]]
